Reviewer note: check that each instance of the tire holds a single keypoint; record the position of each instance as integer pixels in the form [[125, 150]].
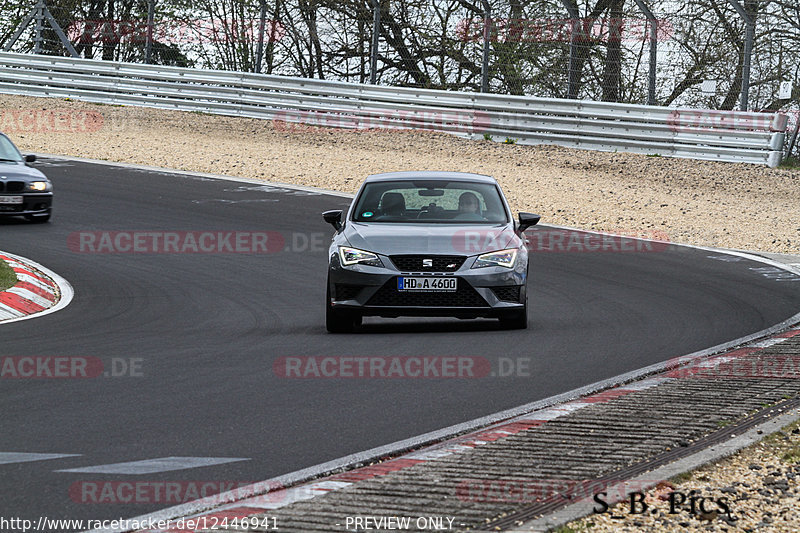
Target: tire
[[38, 219], [337, 321], [518, 320]]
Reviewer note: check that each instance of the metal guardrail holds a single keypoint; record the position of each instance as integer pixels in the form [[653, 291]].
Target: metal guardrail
[[732, 136]]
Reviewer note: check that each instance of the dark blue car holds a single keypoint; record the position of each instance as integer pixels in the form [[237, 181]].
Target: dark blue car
[[24, 191]]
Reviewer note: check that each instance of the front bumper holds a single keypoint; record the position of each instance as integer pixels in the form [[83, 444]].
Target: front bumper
[[493, 292], [32, 204]]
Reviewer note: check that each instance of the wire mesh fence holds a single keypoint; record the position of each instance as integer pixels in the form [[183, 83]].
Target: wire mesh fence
[[664, 52]]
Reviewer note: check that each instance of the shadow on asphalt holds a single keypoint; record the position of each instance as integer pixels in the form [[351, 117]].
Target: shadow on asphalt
[[382, 326]]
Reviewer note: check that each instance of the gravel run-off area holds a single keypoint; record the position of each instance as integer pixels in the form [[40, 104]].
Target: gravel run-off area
[[726, 205], [760, 485]]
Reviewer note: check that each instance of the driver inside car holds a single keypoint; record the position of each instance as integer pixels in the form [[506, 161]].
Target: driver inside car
[[469, 207]]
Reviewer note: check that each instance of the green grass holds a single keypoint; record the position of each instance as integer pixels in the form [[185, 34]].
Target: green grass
[[7, 276], [788, 449], [790, 163], [487, 136], [792, 455], [680, 478], [568, 529], [509, 140]]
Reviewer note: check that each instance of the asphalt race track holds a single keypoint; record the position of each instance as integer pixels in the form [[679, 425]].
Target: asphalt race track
[[203, 331]]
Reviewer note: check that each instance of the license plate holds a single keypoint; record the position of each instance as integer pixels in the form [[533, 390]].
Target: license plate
[[10, 199], [426, 284]]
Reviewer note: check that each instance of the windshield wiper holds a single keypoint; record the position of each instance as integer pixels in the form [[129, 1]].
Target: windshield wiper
[[8, 160]]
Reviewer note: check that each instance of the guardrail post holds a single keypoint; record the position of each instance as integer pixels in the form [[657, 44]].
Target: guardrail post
[[37, 38], [653, 23], [148, 47], [750, 33], [487, 27], [262, 21], [376, 33], [574, 74], [794, 135]]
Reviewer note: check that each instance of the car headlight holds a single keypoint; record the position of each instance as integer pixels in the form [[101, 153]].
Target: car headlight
[[39, 186], [502, 258], [352, 256]]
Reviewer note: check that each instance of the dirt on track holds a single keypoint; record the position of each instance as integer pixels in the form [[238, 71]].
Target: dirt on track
[[716, 204]]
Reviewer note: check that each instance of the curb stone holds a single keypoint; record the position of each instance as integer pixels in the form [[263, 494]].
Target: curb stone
[[37, 290]]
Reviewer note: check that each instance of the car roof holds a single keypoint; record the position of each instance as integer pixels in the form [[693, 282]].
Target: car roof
[[430, 175]]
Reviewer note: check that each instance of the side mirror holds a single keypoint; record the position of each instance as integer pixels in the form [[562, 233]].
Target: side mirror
[[526, 220], [30, 158], [334, 218]]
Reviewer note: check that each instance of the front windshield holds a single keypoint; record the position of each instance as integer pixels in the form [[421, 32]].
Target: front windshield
[[434, 201], [8, 151]]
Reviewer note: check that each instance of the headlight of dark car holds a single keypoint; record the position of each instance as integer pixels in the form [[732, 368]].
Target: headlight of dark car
[[40, 186]]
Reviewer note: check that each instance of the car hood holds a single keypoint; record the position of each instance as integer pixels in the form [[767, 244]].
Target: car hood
[[19, 172], [446, 239]]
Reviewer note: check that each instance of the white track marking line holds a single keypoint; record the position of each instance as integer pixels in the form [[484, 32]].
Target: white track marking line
[[151, 466], [767, 342], [282, 498], [22, 457]]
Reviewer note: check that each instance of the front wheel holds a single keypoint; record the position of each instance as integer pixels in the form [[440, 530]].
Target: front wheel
[[337, 320], [518, 320]]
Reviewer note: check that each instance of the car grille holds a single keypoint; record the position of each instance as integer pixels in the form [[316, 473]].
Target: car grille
[[12, 186], [463, 296], [347, 292], [440, 263], [507, 294]]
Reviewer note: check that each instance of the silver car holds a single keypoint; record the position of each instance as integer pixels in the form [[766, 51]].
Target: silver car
[[427, 244]]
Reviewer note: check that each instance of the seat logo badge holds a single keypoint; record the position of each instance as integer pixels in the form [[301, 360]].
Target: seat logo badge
[[451, 265], [427, 263]]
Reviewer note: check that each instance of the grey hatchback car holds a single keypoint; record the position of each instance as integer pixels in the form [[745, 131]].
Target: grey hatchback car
[[427, 244]]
